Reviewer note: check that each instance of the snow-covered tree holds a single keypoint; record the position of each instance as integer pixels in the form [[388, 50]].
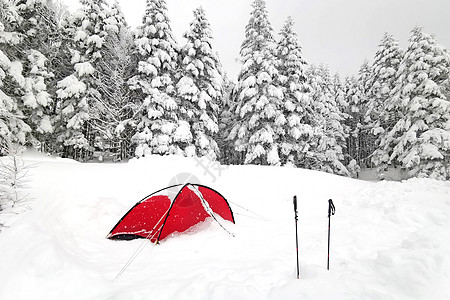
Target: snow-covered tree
[[13, 174], [365, 139], [158, 129], [78, 93], [13, 128], [420, 139], [326, 154], [339, 93], [298, 132], [358, 140], [382, 114], [200, 87], [260, 118], [353, 98], [446, 88], [38, 27], [116, 19], [340, 98], [226, 120], [382, 82], [117, 106]]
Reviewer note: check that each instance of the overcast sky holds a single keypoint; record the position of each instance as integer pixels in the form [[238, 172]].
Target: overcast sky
[[337, 33]]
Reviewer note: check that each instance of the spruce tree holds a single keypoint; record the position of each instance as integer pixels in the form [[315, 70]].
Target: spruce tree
[[298, 133], [260, 117], [200, 86], [420, 140], [158, 129]]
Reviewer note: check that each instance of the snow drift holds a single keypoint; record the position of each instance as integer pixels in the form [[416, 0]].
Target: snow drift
[[389, 240]]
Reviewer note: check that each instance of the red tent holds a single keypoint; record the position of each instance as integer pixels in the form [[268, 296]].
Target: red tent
[[173, 209]]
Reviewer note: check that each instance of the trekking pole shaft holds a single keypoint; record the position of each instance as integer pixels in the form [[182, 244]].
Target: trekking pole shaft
[[296, 235], [328, 260], [296, 243]]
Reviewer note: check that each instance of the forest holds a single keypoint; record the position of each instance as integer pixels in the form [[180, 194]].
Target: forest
[[86, 86]]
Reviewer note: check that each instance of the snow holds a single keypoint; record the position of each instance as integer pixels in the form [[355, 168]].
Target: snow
[[43, 98], [272, 157], [6, 102], [153, 113], [80, 35], [84, 68], [264, 77], [70, 86], [249, 82], [147, 69], [186, 86], [4, 60], [10, 37], [37, 59], [183, 132], [431, 151], [389, 240], [45, 125], [29, 100], [16, 71]]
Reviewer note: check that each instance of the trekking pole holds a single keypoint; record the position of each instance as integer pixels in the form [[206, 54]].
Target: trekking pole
[[296, 234], [331, 211]]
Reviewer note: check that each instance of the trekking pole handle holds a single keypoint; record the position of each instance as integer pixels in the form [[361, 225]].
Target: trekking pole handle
[[295, 203], [331, 208]]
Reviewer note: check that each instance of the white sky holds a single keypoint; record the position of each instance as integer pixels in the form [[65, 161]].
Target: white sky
[[337, 33]]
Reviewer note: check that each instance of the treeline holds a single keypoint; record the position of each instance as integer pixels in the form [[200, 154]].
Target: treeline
[[85, 85]]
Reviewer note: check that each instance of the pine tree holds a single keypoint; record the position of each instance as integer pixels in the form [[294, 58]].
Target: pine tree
[[158, 128], [421, 138], [200, 87], [259, 111], [298, 132], [78, 92], [13, 128]]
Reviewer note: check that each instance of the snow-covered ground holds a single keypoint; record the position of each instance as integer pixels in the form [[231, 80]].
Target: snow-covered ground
[[390, 240]]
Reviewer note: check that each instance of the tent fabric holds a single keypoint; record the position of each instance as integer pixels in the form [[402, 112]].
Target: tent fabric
[[173, 209]]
